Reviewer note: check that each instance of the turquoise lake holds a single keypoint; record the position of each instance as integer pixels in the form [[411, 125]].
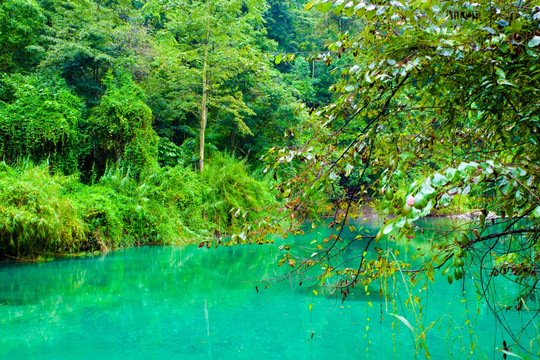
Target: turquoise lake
[[197, 303]]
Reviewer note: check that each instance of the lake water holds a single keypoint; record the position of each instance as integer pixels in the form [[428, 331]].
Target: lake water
[[190, 303]]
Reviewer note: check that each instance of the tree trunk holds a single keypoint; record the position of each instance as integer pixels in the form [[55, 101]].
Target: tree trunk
[[232, 138], [204, 102]]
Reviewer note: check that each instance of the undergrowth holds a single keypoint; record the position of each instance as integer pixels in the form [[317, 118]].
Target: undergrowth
[[35, 215], [44, 213]]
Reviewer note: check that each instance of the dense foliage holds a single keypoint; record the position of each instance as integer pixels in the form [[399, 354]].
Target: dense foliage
[[107, 99], [437, 107], [43, 214], [40, 121]]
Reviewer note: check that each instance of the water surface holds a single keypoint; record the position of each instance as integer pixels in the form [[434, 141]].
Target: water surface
[[189, 303]]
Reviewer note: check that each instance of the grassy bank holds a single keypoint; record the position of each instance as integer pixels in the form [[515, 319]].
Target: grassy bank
[[44, 214]]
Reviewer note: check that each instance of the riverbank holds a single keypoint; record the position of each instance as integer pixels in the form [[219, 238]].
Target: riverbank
[[46, 215], [43, 213]]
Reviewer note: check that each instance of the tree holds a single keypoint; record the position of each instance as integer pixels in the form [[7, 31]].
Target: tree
[[86, 39], [120, 128], [438, 103], [21, 25], [204, 45], [40, 120]]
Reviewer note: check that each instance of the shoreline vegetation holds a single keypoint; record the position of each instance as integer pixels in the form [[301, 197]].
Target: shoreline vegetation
[[44, 214]]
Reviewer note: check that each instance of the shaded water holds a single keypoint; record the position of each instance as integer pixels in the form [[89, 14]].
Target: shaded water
[[189, 303]]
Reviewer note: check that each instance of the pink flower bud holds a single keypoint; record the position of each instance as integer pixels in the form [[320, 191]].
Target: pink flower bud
[[410, 200]]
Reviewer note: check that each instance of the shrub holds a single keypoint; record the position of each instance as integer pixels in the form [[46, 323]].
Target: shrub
[[41, 121], [122, 127], [35, 215], [44, 213], [231, 192]]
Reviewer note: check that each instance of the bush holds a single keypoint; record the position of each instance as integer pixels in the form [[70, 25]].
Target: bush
[[152, 210], [35, 215], [41, 121], [122, 127], [231, 192]]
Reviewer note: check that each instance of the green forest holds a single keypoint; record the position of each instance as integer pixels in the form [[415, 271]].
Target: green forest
[[172, 122], [111, 110]]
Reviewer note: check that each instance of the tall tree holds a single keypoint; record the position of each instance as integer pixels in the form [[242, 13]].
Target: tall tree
[[204, 45], [85, 39], [22, 23]]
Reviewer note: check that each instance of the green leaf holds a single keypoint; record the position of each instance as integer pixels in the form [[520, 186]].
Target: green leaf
[[278, 58], [406, 156], [387, 229], [536, 213], [445, 200], [427, 190], [450, 173], [400, 222], [324, 7], [467, 168], [398, 174], [535, 41], [501, 73], [516, 25], [439, 180], [511, 354]]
